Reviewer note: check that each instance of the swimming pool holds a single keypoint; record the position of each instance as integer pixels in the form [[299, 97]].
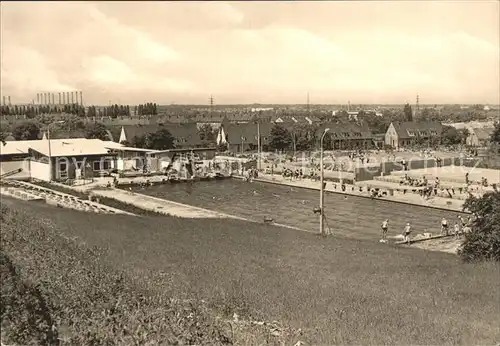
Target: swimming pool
[[354, 217]]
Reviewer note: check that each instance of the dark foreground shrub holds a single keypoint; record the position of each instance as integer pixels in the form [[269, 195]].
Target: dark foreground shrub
[[483, 243]]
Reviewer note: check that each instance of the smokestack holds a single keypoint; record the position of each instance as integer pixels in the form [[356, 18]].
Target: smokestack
[[81, 99], [72, 98], [53, 97], [10, 104], [59, 99], [4, 101], [67, 97], [37, 98], [44, 99]]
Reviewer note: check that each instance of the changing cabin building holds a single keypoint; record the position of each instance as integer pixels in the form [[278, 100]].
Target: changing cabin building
[[68, 159]]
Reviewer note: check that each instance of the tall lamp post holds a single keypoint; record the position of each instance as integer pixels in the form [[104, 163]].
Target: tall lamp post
[[321, 189]]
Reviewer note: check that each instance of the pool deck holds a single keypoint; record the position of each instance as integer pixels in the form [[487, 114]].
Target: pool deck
[[409, 198]]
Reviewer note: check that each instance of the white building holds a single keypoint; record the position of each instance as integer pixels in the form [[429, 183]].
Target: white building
[[62, 159]]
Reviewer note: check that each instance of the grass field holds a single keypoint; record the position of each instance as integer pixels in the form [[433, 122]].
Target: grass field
[[338, 290], [353, 217]]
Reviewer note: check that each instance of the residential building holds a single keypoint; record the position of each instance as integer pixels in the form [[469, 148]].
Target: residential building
[[408, 133], [379, 140], [244, 137], [479, 137], [346, 136], [185, 134]]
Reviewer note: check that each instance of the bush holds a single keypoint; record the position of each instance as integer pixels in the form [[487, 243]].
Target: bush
[[483, 243]]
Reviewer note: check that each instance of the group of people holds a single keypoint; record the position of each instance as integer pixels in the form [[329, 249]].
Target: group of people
[[460, 227]]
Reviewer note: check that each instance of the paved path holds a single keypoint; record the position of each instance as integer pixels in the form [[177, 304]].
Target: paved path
[[169, 207], [409, 198], [160, 205]]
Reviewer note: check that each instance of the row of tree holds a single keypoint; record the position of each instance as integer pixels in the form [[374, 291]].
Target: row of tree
[[30, 111], [146, 109], [112, 111]]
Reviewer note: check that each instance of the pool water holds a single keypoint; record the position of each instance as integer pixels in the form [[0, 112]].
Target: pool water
[[354, 216]]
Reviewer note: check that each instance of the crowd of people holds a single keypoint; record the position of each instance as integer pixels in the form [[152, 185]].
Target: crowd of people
[[460, 227]]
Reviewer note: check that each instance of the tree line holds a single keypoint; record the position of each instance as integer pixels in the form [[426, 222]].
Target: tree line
[[113, 111], [31, 111], [146, 109]]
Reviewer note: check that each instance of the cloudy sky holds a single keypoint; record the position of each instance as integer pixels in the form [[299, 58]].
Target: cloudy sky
[[277, 52]]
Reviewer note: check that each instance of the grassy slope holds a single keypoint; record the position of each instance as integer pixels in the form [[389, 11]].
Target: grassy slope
[[349, 291]]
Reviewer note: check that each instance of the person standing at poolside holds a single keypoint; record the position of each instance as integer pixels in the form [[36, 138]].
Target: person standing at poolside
[[444, 226], [457, 230], [406, 233], [385, 227]]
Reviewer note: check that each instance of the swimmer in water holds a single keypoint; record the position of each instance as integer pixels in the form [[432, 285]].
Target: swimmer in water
[[275, 195], [345, 197], [255, 193]]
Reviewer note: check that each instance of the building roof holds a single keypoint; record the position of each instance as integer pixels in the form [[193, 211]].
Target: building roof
[[181, 150], [345, 131], [424, 128], [58, 147], [63, 134], [247, 133], [183, 133], [124, 148], [483, 133]]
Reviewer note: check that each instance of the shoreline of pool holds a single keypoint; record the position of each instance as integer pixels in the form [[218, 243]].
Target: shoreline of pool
[[285, 183]]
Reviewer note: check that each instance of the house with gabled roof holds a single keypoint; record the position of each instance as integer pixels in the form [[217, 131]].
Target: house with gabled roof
[[241, 137], [408, 133], [185, 134], [479, 137]]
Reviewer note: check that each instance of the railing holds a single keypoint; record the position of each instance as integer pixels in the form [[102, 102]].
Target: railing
[[8, 174]]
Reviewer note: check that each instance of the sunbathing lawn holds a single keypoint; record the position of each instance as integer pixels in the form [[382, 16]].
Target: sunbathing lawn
[[340, 290]]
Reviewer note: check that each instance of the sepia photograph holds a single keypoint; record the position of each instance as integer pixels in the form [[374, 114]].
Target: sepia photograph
[[277, 173]]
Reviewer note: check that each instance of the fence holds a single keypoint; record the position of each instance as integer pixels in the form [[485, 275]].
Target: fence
[[387, 167]]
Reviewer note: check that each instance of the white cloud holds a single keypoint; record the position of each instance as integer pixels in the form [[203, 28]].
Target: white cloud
[[226, 49], [221, 12], [107, 70], [25, 69]]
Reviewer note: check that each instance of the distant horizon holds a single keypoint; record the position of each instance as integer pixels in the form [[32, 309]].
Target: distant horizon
[[259, 105]]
